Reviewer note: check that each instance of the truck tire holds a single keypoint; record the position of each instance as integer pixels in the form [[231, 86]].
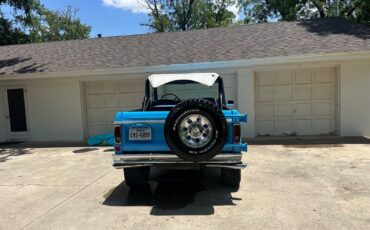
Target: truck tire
[[231, 177], [196, 130], [136, 177]]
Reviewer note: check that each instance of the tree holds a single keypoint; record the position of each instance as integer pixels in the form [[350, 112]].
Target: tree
[[10, 31], [287, 10], [174, 15], [48, 25], [31, 22]]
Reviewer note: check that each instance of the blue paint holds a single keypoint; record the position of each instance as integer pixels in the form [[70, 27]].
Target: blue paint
[[155, 120]]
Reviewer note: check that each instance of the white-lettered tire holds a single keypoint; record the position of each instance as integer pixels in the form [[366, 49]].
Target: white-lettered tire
[[196, 130], [136, 177]]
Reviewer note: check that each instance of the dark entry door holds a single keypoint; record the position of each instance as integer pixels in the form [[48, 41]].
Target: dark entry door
[[17, 128]]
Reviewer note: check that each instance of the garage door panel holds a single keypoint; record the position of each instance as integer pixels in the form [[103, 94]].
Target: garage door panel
[[94, 101], [285, 126], [303, 109], [265, 110], [265, 93], [93, 88], [284, 78], [96, 129], [265, 127], [230, 94], [284, 93], [303, 93], [130, 86], [229, 81], [304, 126], [109, 115], [138, 99], [96, 115], [324, 125], [110, 100], [125, 87], [109, 127], [324, 108], [265, 78], [109, 87], [126, 99], [139, 85], [303, 77], [284, 109], [324, 75], [325, 92]]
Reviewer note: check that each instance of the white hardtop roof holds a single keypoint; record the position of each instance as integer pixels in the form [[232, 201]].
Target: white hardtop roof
[[207, 79]]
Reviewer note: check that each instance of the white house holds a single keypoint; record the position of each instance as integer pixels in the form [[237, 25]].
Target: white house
[[292, 78]]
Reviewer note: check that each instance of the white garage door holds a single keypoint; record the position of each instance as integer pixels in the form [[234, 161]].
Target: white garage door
[[296, 102], [105, 98]]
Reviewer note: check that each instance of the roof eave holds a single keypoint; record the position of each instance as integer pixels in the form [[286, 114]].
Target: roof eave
[[244, 63]]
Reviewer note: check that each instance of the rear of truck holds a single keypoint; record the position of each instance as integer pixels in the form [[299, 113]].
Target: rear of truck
[[180, 129], [140, 140]]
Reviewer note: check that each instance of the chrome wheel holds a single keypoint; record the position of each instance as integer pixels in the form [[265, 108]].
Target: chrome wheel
[[195, 131]]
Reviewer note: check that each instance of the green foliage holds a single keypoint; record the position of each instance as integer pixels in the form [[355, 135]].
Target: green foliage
[[50, 25], [175, 15], [31, 22], [256, 11], [9, 34]]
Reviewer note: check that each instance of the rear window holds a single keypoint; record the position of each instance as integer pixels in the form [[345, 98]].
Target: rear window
[[188, 90]]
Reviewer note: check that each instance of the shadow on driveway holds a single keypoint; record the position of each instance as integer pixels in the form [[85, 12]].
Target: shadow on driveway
[[176, 192], [6, 154]]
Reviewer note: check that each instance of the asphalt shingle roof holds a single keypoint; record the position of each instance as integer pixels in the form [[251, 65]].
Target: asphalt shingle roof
[[219, 44]]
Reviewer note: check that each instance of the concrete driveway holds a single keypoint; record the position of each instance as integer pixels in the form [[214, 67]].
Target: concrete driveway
[[285, 187]]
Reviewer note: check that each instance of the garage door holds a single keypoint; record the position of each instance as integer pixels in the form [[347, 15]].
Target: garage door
[[296, 102], [105, 98]]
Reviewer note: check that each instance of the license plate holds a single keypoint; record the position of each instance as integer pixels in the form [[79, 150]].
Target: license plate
[[140, 134]]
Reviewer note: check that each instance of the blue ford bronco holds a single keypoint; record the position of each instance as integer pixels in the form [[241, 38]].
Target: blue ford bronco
[[185, 122]]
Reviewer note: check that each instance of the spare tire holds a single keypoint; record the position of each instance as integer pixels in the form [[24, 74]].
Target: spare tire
[[196, 130]]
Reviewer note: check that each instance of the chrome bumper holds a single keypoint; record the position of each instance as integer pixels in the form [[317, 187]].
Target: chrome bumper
[[225, 160]]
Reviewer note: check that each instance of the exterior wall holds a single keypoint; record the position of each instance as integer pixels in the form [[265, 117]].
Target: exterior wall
[[55, 104], [54, 110], [246, 100], [2, 118], [355, 98]]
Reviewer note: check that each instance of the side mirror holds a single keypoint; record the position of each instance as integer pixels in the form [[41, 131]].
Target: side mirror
[[230, 103]]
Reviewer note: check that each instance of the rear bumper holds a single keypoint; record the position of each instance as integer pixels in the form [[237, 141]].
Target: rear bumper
[[225, 160]]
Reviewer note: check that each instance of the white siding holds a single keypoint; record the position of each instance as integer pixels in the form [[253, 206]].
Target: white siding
[[54, 110], [245, 97], [355, 98], [2, 118]]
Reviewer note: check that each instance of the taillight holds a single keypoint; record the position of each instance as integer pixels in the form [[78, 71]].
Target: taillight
[[117, 134], [236, 133]]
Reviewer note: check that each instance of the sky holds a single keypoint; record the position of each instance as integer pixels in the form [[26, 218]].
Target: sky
[[109, 17]]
